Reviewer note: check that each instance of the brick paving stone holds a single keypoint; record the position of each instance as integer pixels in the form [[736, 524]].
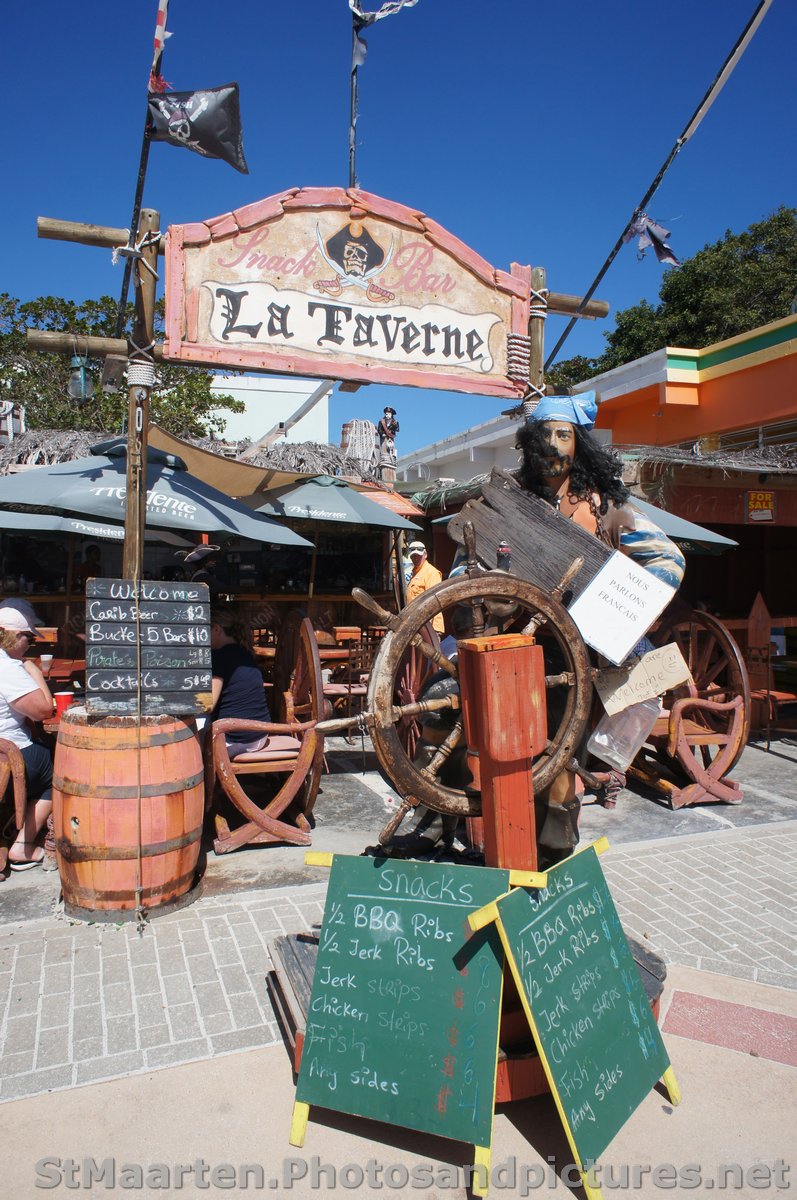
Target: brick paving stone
[[195, 942], [242, 1039], [150, 1010], [179, 1052], [184, 1022], [178, 990], [58, 952], [221, 1022], [171, 961], [29, 968], [154, 1035], [146, 980], [234, 979], [17, 1086], [118, 999], [87, 1021], [115, 970], [210, 998], [53, 1048], [202, 969], [54, 1010], [85, 1048], [23, 999], [20, 1034], [17, 1064], [87, 989], [245, 1011], [109, 1066], [86, 960], [225, 951], [120, 1035], [57, 979]]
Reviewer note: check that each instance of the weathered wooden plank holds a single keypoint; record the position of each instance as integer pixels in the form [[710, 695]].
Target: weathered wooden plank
[[543, 542]]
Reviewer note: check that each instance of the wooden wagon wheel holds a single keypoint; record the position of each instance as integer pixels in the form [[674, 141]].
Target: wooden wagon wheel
[[298, 690], [413, 672], [563, 646], [716, 664]]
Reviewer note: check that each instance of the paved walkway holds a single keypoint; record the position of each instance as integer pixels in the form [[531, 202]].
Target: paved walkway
[[81, 1003]]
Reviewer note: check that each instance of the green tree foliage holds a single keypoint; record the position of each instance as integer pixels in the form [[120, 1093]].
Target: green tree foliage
[[181, 401], [734, 285]]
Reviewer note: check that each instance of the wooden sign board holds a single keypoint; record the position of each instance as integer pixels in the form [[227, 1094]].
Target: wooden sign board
[[619, 606], [405, 1005], [149, 641], [543, 543], [580, 988], [651, 675], [345, 285]]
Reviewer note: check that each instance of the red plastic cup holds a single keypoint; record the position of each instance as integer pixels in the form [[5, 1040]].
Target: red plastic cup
[[62, 702]]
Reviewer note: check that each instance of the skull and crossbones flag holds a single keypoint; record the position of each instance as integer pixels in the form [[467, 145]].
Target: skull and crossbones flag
[[207, 122]]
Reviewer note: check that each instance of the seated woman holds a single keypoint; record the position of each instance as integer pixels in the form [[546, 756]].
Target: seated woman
[[237, 686], [24, 696]]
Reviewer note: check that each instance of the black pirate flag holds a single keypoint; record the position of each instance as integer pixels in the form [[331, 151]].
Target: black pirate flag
[[207, 122]]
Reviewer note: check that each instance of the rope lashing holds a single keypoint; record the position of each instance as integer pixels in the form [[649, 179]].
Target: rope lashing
[[134, 251], [141, 372]]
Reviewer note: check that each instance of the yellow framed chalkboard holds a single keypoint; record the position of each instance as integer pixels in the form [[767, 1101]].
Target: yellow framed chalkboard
[[404, 1011], [580, 988]]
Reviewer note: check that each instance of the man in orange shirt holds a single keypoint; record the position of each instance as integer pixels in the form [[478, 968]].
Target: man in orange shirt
[[424, 576]]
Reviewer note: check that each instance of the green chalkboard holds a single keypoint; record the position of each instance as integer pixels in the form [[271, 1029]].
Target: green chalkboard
[[403, 1018], [591, 1018]]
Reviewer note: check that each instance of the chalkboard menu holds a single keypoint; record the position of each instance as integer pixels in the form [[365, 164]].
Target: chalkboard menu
[[150, 639], [598, 1041], [403, 1018]]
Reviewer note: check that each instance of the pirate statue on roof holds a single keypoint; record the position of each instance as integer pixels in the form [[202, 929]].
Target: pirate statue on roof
[[387, 429]]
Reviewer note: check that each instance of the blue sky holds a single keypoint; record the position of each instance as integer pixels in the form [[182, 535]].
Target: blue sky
[[530, 130]]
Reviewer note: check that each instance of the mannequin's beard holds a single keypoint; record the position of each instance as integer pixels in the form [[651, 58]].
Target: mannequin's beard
[[557, 465]]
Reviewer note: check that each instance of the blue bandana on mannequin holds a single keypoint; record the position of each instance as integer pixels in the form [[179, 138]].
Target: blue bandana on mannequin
[[578, 410]]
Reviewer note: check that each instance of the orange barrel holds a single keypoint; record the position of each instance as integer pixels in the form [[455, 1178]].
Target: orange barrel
[[96, 787]]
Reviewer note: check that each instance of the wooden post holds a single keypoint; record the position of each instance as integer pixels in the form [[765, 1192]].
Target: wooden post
[[141, 377], [537, 315], [502, 682]]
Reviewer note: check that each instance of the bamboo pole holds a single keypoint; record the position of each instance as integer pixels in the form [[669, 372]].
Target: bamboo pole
[[140, 370]]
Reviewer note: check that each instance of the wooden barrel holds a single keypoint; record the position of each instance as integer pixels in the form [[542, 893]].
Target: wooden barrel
[[96, 788]]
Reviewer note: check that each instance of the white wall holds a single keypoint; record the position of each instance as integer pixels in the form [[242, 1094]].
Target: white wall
[[270, 399]]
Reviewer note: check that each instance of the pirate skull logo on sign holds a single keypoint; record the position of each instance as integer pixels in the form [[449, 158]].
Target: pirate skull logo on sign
[[356, 258]]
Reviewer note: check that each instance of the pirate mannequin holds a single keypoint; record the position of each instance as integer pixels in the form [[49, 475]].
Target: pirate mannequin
[[566, 466]]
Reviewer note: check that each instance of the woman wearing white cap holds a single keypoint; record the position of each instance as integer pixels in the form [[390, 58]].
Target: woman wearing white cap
[[25, 696]]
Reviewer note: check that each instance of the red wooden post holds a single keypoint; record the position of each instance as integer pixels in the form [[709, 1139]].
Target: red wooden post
[[502, 683]]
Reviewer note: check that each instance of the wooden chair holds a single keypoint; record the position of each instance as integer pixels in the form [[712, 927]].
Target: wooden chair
[[348, 683], [294, 750], [704, 728], [12, 769], [767, 699]]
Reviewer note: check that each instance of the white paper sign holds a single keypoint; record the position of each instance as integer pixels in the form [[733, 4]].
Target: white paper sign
[[619, 606], [651, 675]]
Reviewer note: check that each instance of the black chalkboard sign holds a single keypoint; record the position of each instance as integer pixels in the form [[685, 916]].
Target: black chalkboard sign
[[598, 1041], [147, 647], [403, 1019]]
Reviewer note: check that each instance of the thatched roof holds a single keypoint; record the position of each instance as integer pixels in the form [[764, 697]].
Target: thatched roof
[[44, 447], [308, 458], [777, 458]]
